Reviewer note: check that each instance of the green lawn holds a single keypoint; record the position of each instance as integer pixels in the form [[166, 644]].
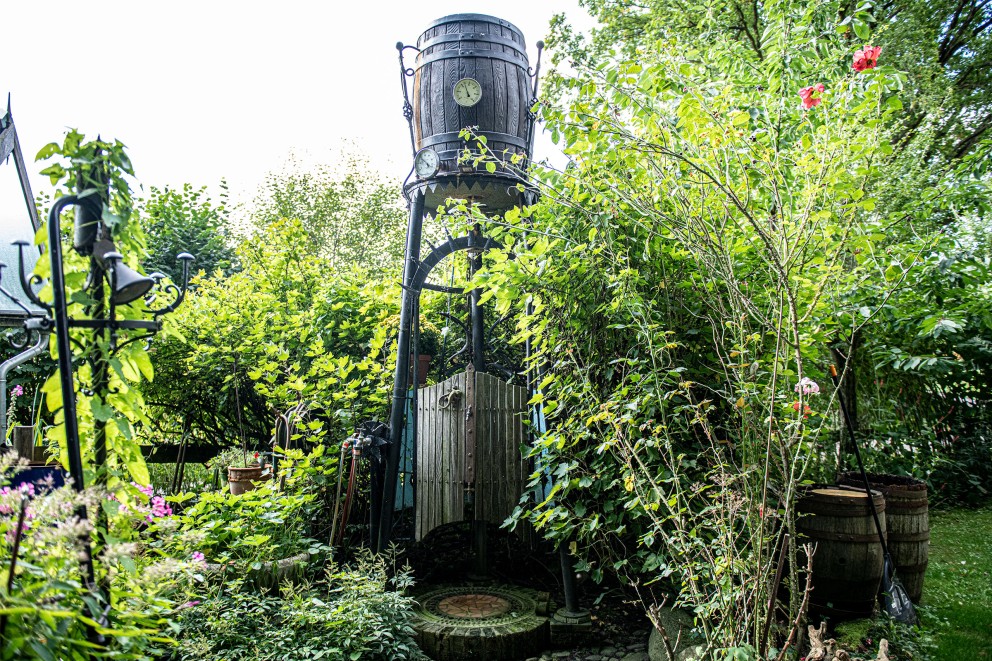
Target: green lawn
[[958, 587]]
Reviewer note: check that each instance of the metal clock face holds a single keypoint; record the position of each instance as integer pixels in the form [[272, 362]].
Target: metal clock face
[[426, 163], [467, 92]]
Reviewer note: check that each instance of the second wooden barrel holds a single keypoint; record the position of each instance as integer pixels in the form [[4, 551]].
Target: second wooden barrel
[[847, 561], [908, 525]]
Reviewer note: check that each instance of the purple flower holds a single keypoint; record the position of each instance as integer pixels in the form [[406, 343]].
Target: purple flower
[[17, 390], [198, 557]]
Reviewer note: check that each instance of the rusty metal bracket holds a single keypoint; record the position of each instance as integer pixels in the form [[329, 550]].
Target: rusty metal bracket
[[470, 420]]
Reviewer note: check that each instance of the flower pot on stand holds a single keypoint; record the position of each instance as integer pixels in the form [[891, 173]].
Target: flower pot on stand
[[244, 478], [423, 366]]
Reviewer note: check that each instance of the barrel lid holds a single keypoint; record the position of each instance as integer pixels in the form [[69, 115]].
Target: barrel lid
[[486, 18], [839, 493]]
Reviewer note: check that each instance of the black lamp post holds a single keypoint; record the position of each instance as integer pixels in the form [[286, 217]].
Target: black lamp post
[[126, 286]]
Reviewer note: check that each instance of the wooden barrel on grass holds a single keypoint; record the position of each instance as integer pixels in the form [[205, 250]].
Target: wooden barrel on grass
[[847, 557], [908, 524]]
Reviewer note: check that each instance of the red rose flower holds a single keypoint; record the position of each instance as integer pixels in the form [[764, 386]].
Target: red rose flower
[[806, 94], [866, 58]]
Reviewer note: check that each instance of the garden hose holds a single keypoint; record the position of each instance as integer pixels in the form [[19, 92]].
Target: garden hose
[[337, 494], [350, 492]]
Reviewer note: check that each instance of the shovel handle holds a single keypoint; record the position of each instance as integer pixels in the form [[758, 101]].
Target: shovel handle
[[861, 464]]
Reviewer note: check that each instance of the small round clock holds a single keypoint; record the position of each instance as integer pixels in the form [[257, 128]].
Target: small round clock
[[426, 163], [467, 92]]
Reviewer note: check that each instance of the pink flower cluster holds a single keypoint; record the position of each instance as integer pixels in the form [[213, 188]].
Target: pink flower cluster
[[25, 489], [866, 58], [806, 94], [807, 386], [17, 390], [157, 507]]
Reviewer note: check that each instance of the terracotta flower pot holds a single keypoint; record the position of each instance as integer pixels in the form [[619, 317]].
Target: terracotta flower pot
[[244, 478]]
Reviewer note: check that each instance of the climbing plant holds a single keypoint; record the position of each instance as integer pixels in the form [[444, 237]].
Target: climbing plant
[[109, 382]]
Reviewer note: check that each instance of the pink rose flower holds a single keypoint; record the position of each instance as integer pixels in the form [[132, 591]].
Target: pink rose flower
[[866, 58], [806, 94]]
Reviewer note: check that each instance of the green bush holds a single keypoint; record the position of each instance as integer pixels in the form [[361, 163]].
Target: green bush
[[349, 614]]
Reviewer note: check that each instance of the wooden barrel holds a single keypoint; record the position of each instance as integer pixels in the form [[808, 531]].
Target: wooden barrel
[[847, 560], [908, 523], [491, 54], [472, 71]]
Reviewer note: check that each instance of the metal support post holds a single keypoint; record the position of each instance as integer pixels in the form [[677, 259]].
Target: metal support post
[[478, 317], [64, 349], [401, 376]]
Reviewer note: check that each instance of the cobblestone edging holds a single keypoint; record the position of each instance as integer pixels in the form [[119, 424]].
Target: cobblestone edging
[[631, 651]]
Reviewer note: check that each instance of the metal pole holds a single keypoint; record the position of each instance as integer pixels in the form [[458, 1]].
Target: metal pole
[[478, 317], [568, 579], [63, 348], [400, 378], [64, 351], [19, 359]]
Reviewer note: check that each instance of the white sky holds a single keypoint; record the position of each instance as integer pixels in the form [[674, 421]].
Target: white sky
[[221, 88]]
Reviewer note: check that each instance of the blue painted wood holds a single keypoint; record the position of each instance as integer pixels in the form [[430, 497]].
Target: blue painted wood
[[404, 482]]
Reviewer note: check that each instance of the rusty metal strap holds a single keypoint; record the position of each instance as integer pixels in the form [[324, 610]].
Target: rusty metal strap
[[921, 536], [470, 426], [839, 536]]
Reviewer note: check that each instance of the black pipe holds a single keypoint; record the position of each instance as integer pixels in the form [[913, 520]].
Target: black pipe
[[400, 377], [568, 580], [478, 316], [62, 341]]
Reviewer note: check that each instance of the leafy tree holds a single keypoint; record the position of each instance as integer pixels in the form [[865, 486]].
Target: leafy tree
[[945, 47], [187, 220], [284, 329], [352, 220], [707, 243]]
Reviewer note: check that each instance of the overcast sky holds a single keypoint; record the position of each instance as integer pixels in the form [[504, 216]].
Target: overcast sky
[[218, 88]]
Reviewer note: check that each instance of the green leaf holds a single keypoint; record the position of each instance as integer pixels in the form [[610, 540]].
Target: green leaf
[[861, 28], [48, 151], [101, 411], [144, 363]]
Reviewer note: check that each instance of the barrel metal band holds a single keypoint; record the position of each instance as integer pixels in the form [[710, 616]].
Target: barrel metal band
[[491, 136], [906, 508], [839, 536], [424, 60], [475, 18], [474, 36], [909, 537]]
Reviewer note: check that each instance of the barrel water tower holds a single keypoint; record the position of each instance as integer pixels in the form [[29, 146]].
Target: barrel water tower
[[470, 71]]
